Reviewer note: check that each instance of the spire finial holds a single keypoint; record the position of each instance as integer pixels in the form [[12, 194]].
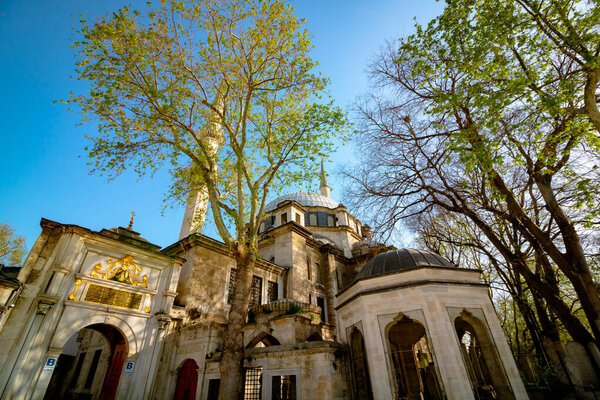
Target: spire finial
[[131, 220], [324, 184]]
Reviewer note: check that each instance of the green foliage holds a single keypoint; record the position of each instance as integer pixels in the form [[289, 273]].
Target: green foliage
[[223, 94], [293, 309], [12, 246]]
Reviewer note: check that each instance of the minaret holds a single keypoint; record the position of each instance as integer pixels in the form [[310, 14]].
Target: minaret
[[324, 184], [195, 213], [197, 204]]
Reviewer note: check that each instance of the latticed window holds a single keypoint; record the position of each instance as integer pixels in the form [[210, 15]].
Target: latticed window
[[273, 292], [253, 383], [255, 294], [232, 279], [284, 387]]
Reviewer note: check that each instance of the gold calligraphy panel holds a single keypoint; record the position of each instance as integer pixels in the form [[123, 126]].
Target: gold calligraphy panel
[[113, 297]]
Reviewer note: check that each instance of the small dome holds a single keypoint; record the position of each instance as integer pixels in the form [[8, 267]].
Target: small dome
[[305, 199], [366, 242], [398, 260], [323, 239]]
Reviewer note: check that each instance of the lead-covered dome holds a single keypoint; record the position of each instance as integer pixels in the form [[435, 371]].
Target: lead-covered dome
[[305, 199], [398, 260]]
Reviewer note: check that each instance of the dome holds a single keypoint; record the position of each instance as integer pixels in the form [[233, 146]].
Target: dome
[[398, 260], [305, 199], [366, 242], [323, 239]]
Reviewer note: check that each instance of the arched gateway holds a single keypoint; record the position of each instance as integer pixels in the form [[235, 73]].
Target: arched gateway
[[90, 365]]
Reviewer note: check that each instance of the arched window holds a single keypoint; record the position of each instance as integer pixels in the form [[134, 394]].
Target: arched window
[[481, 359], [360, 367], [318, 275], [330, 220], [412, 358], [312, 219]]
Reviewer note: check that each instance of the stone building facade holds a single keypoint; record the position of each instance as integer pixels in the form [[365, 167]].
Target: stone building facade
[[334, 315]]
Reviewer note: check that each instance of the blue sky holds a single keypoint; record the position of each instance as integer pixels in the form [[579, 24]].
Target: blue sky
[[43, 171]]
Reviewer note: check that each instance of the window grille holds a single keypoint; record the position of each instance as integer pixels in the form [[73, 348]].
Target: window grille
[[283, 387], [273, 292], [253, 383], [255, 294], [232, 279]]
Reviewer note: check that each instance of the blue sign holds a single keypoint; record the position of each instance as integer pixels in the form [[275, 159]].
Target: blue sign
[[129, 368], [50, 364]]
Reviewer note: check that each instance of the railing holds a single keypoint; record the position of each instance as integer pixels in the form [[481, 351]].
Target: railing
[[286, 308]]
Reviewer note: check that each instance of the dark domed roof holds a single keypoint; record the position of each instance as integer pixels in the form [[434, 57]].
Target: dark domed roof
[[397, 260], [305, 199]]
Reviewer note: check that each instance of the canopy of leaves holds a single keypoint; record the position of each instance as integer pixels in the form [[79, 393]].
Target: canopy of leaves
[[224, 94], [12, 246]]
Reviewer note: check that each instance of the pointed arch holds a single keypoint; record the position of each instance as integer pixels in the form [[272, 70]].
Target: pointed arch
[[263, 339], [360, 366], [481, 358]]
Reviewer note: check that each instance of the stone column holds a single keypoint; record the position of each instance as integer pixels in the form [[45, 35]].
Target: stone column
[[376, 357], [446, 350], [504, 352]]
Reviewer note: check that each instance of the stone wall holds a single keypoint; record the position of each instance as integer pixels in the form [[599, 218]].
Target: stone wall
[[319, 373]]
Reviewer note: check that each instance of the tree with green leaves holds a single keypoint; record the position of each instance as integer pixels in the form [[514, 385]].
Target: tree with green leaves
[[12, 246], [226, 96], [491, 103]]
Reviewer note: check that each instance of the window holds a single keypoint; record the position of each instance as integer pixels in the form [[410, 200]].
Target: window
[[232, 279], [267, 223], [331, 220], [283, 218], [298, 219], [318, 276], [213, 389], [321, 303], [253, 383], [92, 371], [308, 271], [320, 218], [273, 292], [283, 387], [255, 293]]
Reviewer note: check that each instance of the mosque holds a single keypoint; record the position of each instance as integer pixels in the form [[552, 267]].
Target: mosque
[[334, 315]]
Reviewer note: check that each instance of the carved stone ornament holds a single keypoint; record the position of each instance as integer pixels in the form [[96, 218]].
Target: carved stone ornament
[[123, 270]]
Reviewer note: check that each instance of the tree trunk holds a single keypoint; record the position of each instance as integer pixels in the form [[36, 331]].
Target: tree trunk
[[232, 361]]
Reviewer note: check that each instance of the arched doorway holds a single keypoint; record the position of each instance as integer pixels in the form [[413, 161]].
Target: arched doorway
[[412, 358], [187, 381], [362, 380], [485, 370], [90, 365]]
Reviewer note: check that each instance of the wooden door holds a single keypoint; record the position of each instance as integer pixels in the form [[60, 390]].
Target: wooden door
[[187, 381], [111, 382]]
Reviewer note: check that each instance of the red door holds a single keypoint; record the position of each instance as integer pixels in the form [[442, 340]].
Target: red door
[[109, 390], [187, 380]]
